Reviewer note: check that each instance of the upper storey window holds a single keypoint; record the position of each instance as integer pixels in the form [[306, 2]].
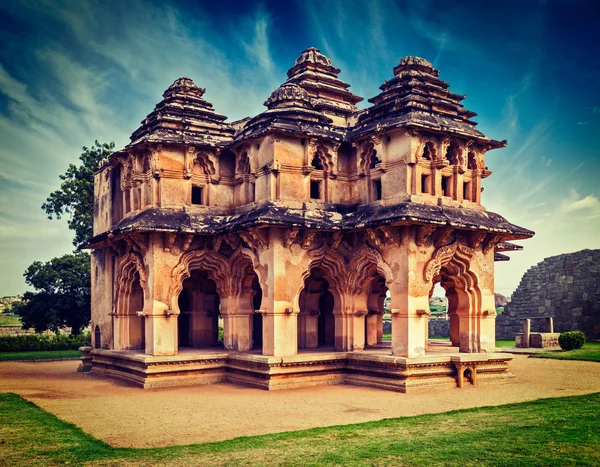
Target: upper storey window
[[429, 151], [116, 194], [317, 164], [472, 161], [197, 195], [374, 160], [315, 189], [453, 153]]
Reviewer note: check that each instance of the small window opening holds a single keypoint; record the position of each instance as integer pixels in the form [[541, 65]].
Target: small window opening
[[316, 163], [467, 191], [315, 189], [389, 139], [424, 183], [377, 189], [97, 338], [258, 146], [196, 194], [445, 186], [302, 141]]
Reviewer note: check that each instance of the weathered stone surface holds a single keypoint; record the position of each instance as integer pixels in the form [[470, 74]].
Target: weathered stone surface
[[566, 287], [288, 229]]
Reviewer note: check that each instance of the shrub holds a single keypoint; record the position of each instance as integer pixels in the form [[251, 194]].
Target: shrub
[[571, 340], [35, 342]]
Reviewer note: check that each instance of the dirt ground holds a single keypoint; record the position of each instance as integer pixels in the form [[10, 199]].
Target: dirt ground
[[126, 416]]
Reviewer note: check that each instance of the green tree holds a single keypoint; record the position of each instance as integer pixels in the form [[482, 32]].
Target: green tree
[[76, 193], [62, 296], [62, 285]]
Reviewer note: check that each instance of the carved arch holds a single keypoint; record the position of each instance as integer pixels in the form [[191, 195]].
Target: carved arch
[[130, 265], [233, 275], [206, 161]]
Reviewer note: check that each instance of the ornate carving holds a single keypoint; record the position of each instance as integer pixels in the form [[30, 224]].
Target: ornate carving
[[336, 238], [309, 237], [423, 235], [372, 235], [390, 235], [291, 236], [169, 241], [476, 238]]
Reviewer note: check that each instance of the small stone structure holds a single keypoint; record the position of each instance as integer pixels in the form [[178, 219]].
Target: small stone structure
[[566, 287], [293, 225], [547, 339]]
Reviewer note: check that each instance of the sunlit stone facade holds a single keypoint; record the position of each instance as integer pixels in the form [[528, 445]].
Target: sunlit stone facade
[[292, 226]]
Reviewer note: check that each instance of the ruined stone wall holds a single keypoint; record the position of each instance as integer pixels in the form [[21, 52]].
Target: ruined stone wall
[[566, 287], [439, 327]]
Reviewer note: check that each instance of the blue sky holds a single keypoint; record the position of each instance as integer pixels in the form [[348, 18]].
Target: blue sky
[[75, 71]]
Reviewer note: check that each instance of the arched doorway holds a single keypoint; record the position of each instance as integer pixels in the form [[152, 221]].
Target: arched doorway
[[199, 309], [376, 308], [131, 329], [463, 302], [316, 321], [257, 325]]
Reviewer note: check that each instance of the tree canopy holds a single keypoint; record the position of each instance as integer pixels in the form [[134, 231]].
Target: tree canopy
[[62, 285], [76, 193], [62, 296]]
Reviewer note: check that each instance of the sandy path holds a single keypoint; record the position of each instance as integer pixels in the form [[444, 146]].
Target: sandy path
[[125, 416]]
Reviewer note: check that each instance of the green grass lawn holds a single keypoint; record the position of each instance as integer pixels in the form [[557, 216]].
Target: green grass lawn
[[564, 431], [39, 355], [9, 319], [590, 352]]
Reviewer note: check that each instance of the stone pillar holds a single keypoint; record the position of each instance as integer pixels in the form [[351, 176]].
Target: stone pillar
[[311, 329], [372, 336], [280, 320], [409, 293], [487, 323], [408, 331], [237, 315], [356, 339], [380, 327], [526, 332], [160, 326], [550, 325]]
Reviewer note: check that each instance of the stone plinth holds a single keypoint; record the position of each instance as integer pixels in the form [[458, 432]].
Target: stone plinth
[[86, 359], [303, 370]]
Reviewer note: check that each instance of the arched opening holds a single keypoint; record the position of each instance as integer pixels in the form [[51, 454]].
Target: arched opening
[[429, 151], [374, 160], [199, 309], [346, 162], [316, 321], [116, 195], [227, 164], [316, 163], [472, 161], [374, 322], [463, 297], [97, 337], [453, 153], [256, 317], [133, 333]]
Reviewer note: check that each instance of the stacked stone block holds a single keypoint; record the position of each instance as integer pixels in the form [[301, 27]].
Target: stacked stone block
[[566, 287]]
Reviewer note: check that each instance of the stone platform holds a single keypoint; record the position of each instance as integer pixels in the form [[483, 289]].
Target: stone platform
[[374, 367]]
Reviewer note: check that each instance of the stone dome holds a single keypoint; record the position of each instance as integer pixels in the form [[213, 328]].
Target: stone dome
[[313, 55], [185, 85], [416, 63], [288, 95]]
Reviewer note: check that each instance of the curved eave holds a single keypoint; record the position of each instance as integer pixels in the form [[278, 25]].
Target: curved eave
[[202, 223]]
